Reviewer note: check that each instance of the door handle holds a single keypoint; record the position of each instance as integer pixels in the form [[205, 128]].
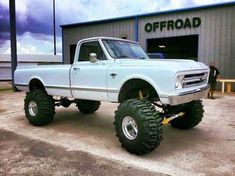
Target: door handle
[[113, 75], [76, 68]]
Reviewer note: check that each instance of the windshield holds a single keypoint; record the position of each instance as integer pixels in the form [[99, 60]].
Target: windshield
[[122, 49]]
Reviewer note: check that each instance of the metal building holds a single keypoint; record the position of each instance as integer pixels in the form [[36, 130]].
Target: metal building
[[26, 60], [205, 34]]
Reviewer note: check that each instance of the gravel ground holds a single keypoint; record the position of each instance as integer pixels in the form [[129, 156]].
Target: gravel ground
[[23, 156], [75, 143]]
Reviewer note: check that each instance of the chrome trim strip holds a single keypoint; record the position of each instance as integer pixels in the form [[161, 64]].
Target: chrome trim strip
[[22, 85], [194, 91], [196, 77], [181, 99], [95, 89], [57, 87], [195, 84], [193, 80], [186, 93], [89, 89], [83, 89], [112, 91]]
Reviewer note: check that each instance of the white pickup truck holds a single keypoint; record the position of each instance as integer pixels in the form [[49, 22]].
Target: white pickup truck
[[119, 71]]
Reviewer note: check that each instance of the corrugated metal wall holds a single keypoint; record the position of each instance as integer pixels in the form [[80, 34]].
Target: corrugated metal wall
[[216, 34], [111, 29], [217, 39], [5, 71]]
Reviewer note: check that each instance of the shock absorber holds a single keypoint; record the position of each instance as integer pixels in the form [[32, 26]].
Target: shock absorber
[[166, 120]]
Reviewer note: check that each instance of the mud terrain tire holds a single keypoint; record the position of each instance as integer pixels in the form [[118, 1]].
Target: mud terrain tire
[[39, 107], [192, 117], [138, 126]]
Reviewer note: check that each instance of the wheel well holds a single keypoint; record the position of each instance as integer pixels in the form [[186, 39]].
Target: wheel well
[[36, 84], [131, 90]]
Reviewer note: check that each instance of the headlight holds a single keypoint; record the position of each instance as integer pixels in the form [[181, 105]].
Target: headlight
[[179, 81]]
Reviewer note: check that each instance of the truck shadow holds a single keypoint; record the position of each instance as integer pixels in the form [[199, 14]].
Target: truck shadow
[[99, 126], [175, 141]]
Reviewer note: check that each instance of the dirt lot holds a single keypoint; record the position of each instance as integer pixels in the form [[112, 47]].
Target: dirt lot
[[23, 156], [65, 145]]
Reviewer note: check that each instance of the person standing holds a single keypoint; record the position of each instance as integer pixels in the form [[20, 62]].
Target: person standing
[[213, 76]]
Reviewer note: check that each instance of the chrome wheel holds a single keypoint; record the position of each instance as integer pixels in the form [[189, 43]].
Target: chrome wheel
[[129, 128], [33, 108]]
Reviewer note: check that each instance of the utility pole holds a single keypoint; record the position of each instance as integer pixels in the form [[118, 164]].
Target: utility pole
[[54, 31], [13, 40]]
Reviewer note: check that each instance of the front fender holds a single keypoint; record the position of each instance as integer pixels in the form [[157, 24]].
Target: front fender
[[141, 77]]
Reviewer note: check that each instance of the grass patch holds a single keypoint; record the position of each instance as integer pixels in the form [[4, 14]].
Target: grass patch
[[5, 88], [2, 110], [5, 85], [5, 91]]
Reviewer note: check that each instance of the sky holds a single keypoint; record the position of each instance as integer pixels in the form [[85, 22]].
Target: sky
[[34, 18]]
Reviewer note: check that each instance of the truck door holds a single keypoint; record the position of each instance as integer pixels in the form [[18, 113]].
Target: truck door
[[88, 80]]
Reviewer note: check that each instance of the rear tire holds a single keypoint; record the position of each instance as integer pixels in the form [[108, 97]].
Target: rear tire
[[192, 117], [138, 126], [39, 107], [87, 106]]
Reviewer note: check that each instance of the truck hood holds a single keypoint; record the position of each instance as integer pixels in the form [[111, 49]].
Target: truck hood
[[175, 64]]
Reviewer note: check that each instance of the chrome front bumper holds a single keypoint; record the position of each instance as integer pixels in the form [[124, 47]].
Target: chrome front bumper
[[188, 96]]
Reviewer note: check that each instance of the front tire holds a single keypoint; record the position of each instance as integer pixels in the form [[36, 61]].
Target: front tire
[[138, 126], [87, 106], [39, 107], [192, 117]]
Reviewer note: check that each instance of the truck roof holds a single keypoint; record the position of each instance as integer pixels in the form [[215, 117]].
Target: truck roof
[[107, 38]]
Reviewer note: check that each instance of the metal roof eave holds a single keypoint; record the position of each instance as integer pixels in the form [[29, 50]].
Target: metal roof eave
[[150, 14]]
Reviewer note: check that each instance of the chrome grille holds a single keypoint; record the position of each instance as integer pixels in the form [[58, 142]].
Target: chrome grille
[[195, 79]]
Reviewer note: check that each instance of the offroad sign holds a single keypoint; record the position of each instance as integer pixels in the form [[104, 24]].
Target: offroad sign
[[173, 24]]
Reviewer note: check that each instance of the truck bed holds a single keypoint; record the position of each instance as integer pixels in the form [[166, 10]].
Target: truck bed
[[52, 77]]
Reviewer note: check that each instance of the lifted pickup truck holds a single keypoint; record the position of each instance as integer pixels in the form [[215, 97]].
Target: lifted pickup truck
[[150, 92]]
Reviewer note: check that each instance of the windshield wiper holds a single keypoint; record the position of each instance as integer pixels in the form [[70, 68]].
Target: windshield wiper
[[122, 56]]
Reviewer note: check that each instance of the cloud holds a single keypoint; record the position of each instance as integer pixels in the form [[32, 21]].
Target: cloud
[[29, 43], [95, 10], [34, 18], [4, 23]]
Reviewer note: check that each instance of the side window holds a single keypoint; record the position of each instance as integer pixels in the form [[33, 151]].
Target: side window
[[91, 47]]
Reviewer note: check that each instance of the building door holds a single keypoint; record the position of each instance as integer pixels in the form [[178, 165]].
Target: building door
[[182, 47]]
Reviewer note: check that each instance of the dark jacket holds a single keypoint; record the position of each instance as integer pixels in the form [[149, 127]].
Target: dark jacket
[[214, 72]]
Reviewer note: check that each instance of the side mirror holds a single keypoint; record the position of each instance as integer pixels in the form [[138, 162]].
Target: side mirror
[[93, 57]]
